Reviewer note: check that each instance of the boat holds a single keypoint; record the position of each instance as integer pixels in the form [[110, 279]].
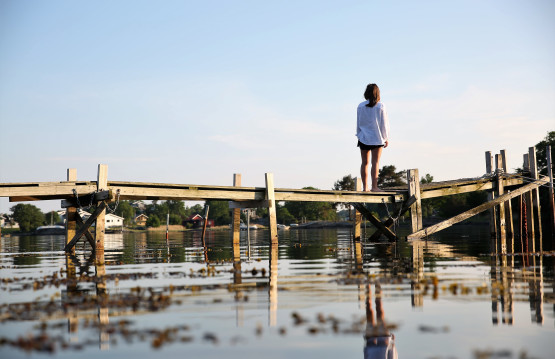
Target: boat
[[50, 230]]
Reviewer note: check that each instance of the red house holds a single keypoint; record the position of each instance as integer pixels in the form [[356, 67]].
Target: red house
[[198, 221]]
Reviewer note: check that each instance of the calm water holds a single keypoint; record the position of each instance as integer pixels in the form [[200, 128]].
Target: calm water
[[316, 295]]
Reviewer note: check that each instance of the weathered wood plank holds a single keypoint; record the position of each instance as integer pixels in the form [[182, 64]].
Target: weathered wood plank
[[271, 198], [472, 212], [102, 183], [413, 181], [358, 217], [508, 210], [236, 214], [85, 200], [248, 204], [536, 194], [71, 213], [499, 192]]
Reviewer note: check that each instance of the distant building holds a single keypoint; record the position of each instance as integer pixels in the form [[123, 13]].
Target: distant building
[[141, 219], [139, 205], [110, 220], [198, 221]]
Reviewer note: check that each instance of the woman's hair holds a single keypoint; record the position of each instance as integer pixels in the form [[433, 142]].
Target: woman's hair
[[372, 94]]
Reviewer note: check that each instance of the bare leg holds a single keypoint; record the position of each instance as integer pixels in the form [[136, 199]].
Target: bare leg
[[365, 155], [376, 154]]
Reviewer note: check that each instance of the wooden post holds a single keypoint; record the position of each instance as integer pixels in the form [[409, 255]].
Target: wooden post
[[413, 181], [536, 193], [236, 214], [358, 215], [493, 210], [206, 211], [510, 231], [71, 212], [271, 198], [529, 207], [500, 190], [551, 196], [102, 184]]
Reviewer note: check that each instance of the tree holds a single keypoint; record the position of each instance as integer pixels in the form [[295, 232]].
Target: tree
[[126, 211], [312, 210], [389, 177], [219, 212], [347, 183], [27, 216], [51, 217], [283, 216], [541, 151], [153, 221]]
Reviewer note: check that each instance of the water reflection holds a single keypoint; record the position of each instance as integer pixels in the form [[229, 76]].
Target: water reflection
[[142, 274], [379, 341]]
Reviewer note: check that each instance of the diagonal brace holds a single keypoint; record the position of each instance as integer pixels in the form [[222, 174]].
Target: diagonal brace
[[101, 207], [87, 233], [389, 222], [375, 221]]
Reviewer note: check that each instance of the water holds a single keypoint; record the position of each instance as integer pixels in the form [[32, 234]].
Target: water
[[316, 295]]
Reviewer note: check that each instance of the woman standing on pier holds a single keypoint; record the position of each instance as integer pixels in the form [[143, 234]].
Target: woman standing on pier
[[372, 133]]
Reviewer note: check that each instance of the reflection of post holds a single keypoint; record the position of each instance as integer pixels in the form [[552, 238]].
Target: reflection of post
[[358, 256], [506, 292], [71, 289], [535, 288], [417, 297], [237, 281], [102, 300], [494, 301], [273, 289]]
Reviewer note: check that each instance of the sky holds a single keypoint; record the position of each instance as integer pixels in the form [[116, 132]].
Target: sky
[[192, 92]]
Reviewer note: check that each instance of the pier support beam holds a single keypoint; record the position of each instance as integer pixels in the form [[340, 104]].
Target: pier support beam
[[271, 198], [102, 184], [510, 231], [71, 212], [493, 210], [502, 220], [236, 214], [358, 216], [413, 181], [536, 194]]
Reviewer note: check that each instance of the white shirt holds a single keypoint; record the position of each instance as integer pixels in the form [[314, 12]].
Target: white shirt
[[372, 124]]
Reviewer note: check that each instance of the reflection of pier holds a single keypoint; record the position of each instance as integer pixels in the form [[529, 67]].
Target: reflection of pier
[[505, 281]]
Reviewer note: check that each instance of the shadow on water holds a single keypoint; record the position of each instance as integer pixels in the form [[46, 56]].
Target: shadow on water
[[317, 294]]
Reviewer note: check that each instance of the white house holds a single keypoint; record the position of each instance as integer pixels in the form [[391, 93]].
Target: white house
[[111, 220]]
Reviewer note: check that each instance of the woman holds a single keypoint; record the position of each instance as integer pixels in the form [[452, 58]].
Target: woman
[[372, 133]]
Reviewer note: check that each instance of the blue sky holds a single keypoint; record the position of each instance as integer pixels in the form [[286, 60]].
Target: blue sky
[[192, 92]]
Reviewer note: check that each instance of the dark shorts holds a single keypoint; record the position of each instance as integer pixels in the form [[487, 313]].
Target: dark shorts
[[367, 147]]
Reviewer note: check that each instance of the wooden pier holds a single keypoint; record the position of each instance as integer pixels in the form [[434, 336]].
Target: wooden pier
[[500, 185]]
